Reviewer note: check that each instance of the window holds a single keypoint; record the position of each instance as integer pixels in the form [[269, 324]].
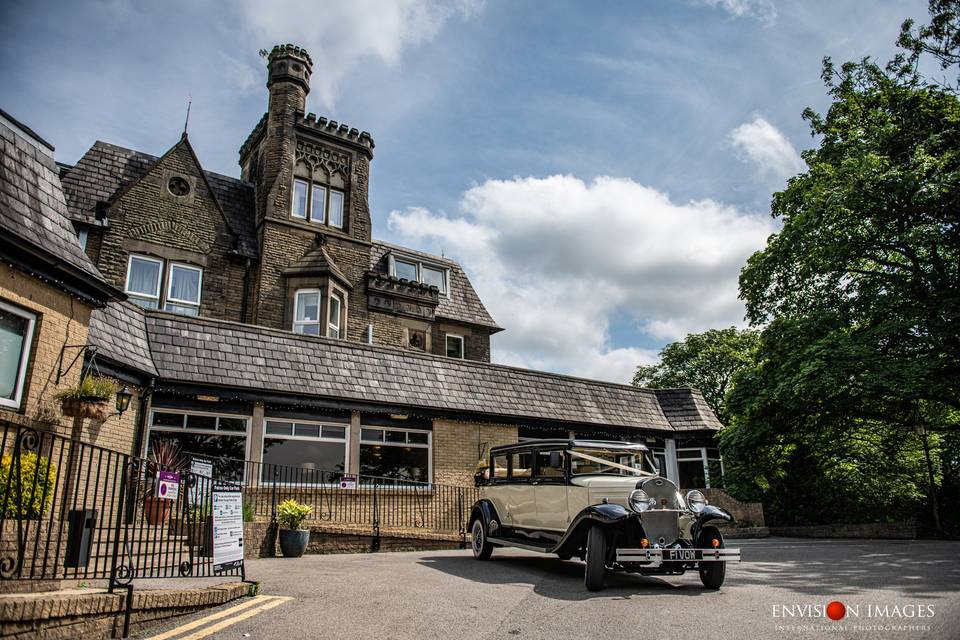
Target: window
[[416, 271], [82, 235], [221, 438], [417, 339], [401, 454], [550, 464], [521, 464], [454, 346], [16, 336], [303, 452], [317, 203], [333, 323], [306, 312], [299, 199], [500, 467], [184, 283]]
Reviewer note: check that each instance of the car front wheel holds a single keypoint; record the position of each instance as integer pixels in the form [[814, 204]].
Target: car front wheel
[[712, 574], [596, 559], [480, 545]]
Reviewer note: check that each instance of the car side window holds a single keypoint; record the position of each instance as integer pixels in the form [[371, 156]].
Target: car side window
[[550, 464], [521, 464], [500, 467]]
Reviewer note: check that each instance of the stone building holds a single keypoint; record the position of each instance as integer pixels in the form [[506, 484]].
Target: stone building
[[264, 323]]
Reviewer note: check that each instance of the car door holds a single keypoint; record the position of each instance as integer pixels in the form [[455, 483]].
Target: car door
[[550, 489], [518, 493]]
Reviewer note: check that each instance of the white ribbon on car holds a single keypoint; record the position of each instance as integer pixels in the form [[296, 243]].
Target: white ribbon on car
[[608, 463]]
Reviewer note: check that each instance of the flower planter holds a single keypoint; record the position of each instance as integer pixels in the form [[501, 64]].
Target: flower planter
[[86, 407], [293, 542], [157, 510]]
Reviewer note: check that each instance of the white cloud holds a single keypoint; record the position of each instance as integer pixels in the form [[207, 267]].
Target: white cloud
[[339, 35], [763, 144], [557, 259], [763, 10]]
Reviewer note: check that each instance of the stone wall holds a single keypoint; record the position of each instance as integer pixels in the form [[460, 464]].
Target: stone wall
[[746, 514], [261, 540], [877, 530]]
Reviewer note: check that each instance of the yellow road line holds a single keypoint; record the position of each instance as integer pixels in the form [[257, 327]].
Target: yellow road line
[[210, 618], [220, 626]]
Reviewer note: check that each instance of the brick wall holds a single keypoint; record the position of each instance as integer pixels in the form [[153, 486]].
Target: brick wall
[[456, 448]]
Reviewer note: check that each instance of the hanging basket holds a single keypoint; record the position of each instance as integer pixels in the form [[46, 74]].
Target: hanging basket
[[91, 407]]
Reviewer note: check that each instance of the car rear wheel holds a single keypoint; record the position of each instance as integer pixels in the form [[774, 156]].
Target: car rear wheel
[[596, 569], [480, 545], [712, 574]]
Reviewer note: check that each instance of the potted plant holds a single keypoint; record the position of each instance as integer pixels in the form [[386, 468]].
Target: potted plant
[[293, 539], [164, 456], [90, 398]]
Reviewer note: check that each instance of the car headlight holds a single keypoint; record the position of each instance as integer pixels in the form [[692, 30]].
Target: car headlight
[[696, 501], [640, 501]]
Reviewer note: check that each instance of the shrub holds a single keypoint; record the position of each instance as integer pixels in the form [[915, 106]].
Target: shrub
[[248, 512], [36, 487], [291, 513], [89, 387]]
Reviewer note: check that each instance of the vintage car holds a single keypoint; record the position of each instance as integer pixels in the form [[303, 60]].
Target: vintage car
[[604, 502]]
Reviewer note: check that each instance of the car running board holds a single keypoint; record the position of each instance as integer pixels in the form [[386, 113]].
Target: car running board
[[510, 542]]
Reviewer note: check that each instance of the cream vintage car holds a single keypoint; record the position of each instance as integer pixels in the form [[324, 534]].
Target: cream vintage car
[[603, 502]]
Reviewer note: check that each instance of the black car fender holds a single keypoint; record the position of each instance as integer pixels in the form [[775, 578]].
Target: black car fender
[[709, 513], [484, 510], [609, 515]]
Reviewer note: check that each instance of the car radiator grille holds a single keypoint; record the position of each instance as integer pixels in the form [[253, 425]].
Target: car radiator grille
[[661, 527]]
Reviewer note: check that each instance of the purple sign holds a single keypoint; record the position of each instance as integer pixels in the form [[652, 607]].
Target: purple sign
[[168, 485]]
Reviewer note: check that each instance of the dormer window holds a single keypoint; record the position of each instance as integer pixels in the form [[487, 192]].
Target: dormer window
[[311, 305], [317, 203], [418, 271]]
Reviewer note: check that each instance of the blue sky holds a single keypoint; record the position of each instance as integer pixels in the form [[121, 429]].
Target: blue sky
[[601, 169]]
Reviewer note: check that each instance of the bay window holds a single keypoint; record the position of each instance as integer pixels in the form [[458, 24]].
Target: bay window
[[306, 312], [16, 337], [316, 314], [334, 319], [400, 454], [298, 452], [145, 284]]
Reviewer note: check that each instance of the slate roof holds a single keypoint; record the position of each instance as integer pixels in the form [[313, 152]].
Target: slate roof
[[106, 169], [32, 205], [316, 260], [119, 333], [687, 409], [463, 304], [221, 353]]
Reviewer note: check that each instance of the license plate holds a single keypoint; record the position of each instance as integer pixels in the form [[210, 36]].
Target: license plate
[[682, 555]]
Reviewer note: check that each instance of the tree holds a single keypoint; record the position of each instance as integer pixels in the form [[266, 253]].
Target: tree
[[706, 361]]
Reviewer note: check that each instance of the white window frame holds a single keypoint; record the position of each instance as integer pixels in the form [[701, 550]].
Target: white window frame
[[343, 201], [334, 295], [183, 429], [420, 264], [463, 345], [82, 235], [293, 200], [293, 431], [23, 365], [178, 301], [428, 446], [701, 455], [314, 186], [140, 256], [296, 305]]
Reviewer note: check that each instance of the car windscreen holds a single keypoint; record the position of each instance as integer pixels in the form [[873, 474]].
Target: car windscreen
[[610, 462]]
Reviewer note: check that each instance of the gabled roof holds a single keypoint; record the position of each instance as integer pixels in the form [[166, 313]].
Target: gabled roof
[[463, 303], [687, 409], [120, 336], [202, 351], [317, 261], [106, 171], [33, 214]]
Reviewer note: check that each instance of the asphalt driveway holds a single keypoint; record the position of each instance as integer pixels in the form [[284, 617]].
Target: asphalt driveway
[[899, 590]]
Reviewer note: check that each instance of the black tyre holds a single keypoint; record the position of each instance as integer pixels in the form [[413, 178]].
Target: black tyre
[[712, 574], [596, 570], [479, 544]]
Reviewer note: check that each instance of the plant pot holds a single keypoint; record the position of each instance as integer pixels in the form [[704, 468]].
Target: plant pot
[[157, 510], [293, 542], [86, 407]]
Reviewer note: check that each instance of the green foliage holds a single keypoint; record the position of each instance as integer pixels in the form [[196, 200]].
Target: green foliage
[[35, 492], [291, 513], [90, 387], [248, 512], [706, 361]]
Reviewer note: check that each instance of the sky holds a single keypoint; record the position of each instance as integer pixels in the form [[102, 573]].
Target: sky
[[601, 170]]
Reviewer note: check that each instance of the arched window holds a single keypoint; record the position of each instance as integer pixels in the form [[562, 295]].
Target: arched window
[[318, 196]]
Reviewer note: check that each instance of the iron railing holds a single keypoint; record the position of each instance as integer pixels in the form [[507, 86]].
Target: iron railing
[[75, 511]]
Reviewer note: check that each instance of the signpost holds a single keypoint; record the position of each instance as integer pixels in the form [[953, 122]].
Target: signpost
[[168, 485], [348, 482], [227, 529]]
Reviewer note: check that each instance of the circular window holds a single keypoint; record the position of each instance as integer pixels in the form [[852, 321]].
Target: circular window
[[178, 186]]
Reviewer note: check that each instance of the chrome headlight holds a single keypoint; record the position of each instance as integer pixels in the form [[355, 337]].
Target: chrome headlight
[[640, 501], [696, 501]]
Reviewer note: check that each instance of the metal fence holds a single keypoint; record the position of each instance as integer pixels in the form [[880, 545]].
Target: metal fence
[[74, 511]]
